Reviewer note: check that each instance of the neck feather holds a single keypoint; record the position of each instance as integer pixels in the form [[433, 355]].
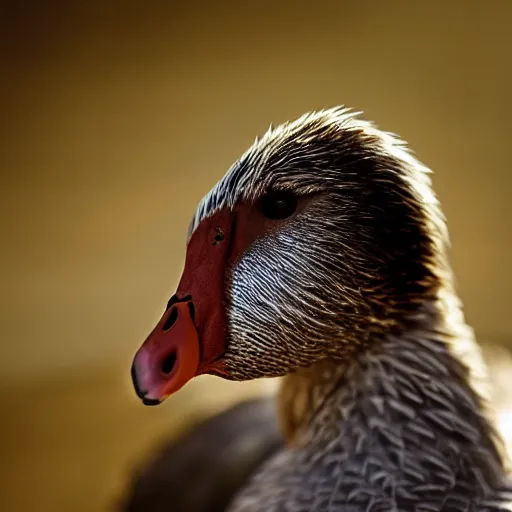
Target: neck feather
[[419, 398]]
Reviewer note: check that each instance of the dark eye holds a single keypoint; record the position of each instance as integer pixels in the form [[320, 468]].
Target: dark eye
[[278, 205]]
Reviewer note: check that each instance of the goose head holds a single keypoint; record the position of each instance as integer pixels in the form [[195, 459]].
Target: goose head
[[321, 239]]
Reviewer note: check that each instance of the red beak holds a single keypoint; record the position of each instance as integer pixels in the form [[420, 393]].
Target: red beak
[[173, 358], [189, 339]]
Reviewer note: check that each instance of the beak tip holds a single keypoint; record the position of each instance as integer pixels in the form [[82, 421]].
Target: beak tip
[[135, 382], [151, 401], [169, 357]]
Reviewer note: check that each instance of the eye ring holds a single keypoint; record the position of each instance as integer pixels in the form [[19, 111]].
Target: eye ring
[[278, 205]]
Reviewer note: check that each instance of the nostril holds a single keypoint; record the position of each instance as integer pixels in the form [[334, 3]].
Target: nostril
[[169, 363], [172, 301], [171, 320]]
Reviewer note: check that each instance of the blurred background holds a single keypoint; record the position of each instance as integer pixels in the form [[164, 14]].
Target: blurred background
[[116, 117]]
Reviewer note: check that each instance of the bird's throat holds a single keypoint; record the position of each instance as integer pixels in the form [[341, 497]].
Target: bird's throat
[[409, 396]]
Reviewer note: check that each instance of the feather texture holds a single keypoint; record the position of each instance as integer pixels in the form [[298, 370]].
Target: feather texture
[[384, 399]]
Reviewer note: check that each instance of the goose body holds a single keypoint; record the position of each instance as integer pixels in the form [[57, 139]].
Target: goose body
[[201, 470], [321, 257]]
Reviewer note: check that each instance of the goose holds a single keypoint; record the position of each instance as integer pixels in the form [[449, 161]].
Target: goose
[[321, 258]]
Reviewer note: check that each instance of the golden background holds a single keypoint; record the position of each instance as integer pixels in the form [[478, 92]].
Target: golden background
[[116, 117]]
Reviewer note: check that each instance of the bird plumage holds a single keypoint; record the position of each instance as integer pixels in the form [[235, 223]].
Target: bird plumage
[[351, 299]]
